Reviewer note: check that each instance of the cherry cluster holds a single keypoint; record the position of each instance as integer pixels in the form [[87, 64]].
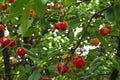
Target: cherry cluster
[[61, 25], [5, 41], [77, 61], [103, 32]]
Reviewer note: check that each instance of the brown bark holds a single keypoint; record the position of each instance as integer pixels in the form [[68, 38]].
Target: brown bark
[[6, 60]]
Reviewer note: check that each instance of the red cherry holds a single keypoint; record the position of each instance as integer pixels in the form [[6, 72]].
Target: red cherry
[[1, 27], [59, 6], [109, 27], [69, 69], [104, 31], [60, 66], [78, 61], [64, 26], [48, 6], [32, 13], [4, 41], [68, 58], [70, 17], [57, 25], [13, 43], [10, 1], [45, 78], [20, 51], [4, 6]]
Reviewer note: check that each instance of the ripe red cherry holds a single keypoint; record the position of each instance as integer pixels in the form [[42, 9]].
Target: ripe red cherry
[[60, 66], [59, 6], [64, 26], [70, 17], [1, 27], [45, 78], [20, 51], [13, 43], [78, 61], [61, 25], [4, 41], [109, 27], [48, 6], [57, 25], [68, 57], [4, 6], [10, 1], [104, 31], [69, 69]]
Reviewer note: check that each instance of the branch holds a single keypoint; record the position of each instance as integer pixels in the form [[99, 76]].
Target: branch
[[6, 60], [72, 51], [113, 74]]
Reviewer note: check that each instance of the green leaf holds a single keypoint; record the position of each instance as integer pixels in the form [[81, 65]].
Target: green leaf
[[51, 53], [32, 55], [68, 2], [116, 64], [24, 21], [94, 67], [95, 61], [112, 14], [39, 7], [52, 67], [16, 9], [35, 76]]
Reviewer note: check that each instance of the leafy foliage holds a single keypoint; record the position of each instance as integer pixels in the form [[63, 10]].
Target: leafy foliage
[[46, 46]]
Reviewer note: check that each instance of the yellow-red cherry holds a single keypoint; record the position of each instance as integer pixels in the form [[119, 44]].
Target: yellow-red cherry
[[95, 41], [59, 6], [32, 13]]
